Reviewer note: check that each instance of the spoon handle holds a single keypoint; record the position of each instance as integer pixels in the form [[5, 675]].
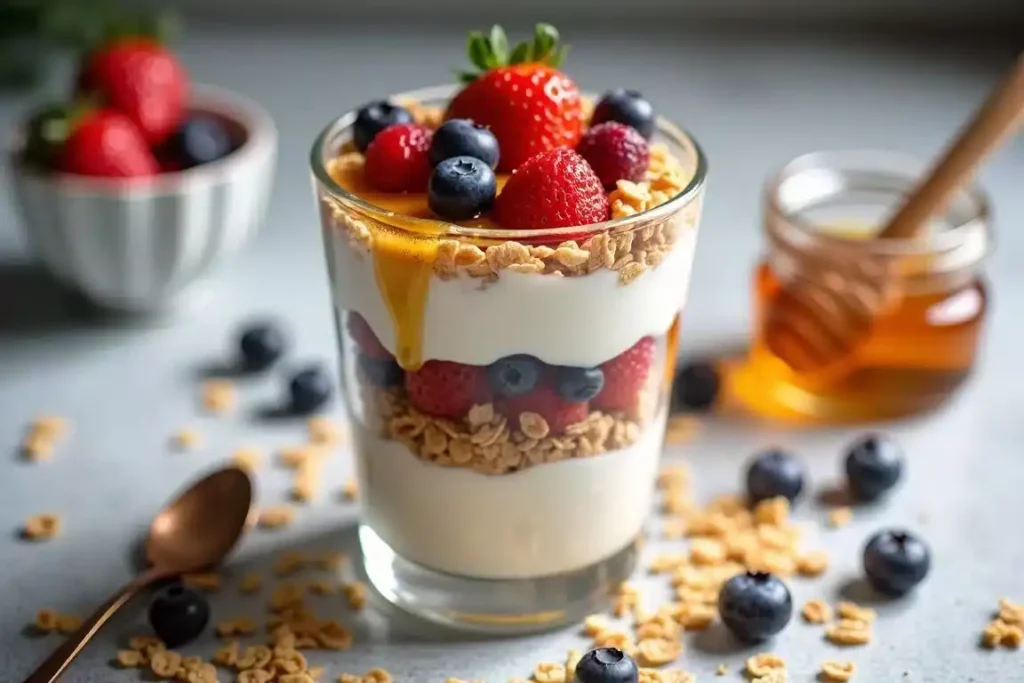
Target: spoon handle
[[50, 670]]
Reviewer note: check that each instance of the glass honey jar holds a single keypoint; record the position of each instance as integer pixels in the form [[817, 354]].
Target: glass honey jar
[[922, 344]]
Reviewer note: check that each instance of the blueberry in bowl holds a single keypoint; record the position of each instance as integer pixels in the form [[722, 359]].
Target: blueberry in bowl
[[755, 606], [772, 474]]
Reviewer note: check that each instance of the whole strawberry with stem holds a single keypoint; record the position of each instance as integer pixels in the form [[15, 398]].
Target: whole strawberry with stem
[[529, 105], [142, 79]]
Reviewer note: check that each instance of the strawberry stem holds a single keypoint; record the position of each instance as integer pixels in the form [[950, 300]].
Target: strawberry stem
[[491, 51]]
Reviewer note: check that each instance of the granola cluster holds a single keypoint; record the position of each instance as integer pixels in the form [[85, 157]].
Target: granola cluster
[[628, 252], [488, 442]]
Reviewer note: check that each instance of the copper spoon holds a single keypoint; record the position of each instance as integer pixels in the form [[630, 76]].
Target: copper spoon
[[830, 303], [195, 531]]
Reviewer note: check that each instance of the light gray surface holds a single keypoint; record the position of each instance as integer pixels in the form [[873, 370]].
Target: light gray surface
[[753, 102]]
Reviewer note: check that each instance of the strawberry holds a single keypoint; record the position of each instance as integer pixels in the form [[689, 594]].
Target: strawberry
[[554, 189], [398, 158], [106, 143], [365, 338], [529, 105], [445, 389], [624, 376], [546, 402], [141, 79]]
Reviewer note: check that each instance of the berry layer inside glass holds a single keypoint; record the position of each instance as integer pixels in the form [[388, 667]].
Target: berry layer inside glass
[[508, 389]]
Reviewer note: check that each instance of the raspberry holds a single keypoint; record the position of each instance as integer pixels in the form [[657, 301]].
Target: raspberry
[[554, 189], [624, 376], [616, 152], [445, 389], [546, 402], [398, 159], [365, 338]]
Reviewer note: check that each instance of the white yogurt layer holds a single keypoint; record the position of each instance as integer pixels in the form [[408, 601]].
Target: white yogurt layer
[[548, 519], [583, 320]]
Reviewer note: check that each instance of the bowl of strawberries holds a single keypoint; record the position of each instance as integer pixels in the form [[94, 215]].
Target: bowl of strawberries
[[134, 190]]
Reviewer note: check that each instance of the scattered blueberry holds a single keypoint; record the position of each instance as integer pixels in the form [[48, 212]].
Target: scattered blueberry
[[874, 464], [261, 345], [461, 188], [606, 665], [381, 372], [774, 473], [895, 561], [375, 117], [696, 386], [628, 107], [200, 139], [178, 615], [755, 606], [514, 375], [309, 389], [463, 138], [579, 384]]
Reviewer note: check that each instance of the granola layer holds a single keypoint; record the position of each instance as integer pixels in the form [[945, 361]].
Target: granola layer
[[488, 442]]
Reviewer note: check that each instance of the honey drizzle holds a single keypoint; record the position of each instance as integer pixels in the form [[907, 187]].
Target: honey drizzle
[[403, 266]]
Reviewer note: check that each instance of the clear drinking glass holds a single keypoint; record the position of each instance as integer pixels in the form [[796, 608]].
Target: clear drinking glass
[[502, 515]]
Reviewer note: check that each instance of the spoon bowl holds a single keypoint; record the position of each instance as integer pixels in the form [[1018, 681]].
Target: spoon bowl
[[199, 527]]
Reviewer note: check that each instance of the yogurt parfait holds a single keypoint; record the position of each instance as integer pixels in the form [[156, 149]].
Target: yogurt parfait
[[508, 262]]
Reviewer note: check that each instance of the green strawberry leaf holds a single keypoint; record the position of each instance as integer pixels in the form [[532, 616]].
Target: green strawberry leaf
[[499, 45], [491, 51]]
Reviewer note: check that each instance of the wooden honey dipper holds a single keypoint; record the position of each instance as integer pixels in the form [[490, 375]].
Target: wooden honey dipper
[[829, 305]]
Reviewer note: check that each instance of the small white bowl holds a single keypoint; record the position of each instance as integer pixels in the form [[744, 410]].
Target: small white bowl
[[142, 245]]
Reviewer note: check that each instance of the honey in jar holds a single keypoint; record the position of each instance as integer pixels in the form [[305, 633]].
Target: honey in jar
[[922, 345]]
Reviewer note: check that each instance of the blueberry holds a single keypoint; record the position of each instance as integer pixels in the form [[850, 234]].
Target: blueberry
[[261, 345], [178, 615], [874, 464], [514, 375], [628, 107], [375, 117], [755, 606], [381, 372], [774, 473], [461, 188], [309, 389], [606, 665], [696, 386], [200, 139], [463, 138], [895, 561], [579, 384]]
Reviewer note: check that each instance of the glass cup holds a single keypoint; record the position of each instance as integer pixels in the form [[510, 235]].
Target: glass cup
[[822, 212], [497, 510]]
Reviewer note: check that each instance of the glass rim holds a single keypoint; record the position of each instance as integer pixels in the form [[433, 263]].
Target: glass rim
[[881, 161], [675, 134]]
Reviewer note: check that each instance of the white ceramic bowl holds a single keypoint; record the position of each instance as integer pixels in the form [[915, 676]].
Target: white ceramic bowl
[[143, 245]]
